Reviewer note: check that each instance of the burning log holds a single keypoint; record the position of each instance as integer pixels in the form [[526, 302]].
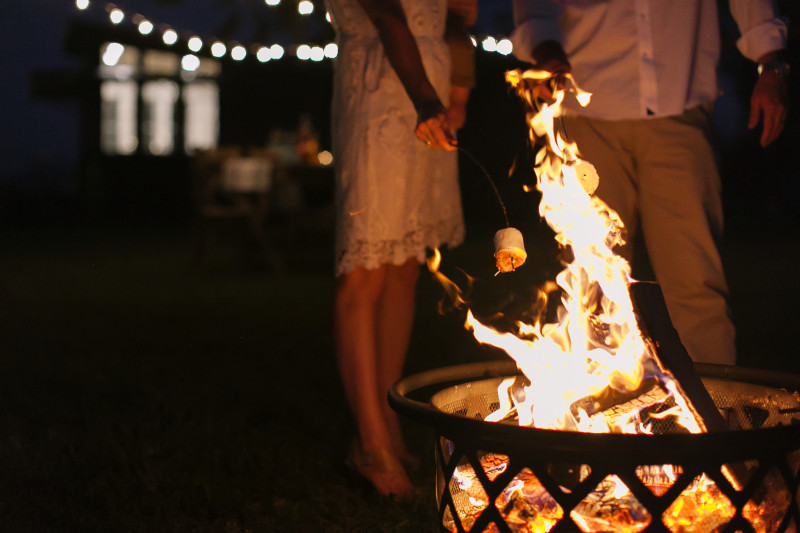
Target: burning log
[[615, 409], [655, 325]]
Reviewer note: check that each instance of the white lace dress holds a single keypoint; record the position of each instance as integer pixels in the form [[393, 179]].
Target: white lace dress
[[395, 197]]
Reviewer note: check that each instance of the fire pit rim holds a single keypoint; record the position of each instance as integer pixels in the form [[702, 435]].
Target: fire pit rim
[[732, 445]]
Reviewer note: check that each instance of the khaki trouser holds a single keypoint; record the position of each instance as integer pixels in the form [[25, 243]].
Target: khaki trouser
[[660, 175]]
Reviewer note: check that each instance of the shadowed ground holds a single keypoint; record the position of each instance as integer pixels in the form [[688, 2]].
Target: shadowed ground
[[141, 392]]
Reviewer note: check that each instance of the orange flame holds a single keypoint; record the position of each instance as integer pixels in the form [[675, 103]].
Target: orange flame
[[595, 346]]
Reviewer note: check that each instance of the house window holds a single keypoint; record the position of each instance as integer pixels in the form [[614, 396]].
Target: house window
[[118, 132], [201, 102], [158, 116], [154, 103]]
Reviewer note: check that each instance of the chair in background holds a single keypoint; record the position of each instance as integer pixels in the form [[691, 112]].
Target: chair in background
[[231, 197]]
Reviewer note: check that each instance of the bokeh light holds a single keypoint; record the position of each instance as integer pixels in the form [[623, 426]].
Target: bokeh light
[[303, 52], [195, 44], [190, 62], [238, 52], [145, 27], [218, 49], [331, 50], [116, 16], [305, 7], [170, 37], [112, 54]]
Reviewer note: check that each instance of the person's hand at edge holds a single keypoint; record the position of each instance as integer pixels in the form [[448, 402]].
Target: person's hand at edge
[[769, 103]]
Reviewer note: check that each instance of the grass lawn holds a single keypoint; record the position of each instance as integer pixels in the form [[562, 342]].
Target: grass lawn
[[142, 393]]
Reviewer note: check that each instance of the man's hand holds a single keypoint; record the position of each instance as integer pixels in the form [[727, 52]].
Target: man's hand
[[550, 56], [769, 103]]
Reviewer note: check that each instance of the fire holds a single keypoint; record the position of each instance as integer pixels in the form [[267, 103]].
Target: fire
[[595, 349], [592, 370]]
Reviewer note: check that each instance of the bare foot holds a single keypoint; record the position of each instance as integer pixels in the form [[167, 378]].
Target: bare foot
[[383, 470]]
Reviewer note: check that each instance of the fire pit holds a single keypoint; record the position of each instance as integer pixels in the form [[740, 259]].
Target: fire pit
[[601, 423], [507, 478]]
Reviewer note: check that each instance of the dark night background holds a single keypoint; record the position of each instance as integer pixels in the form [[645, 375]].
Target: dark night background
[[144, 390]]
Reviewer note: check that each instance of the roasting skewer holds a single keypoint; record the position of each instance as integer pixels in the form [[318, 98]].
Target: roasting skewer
[[509, 247]]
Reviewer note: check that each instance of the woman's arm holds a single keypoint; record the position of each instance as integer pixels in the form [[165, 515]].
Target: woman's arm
[[403, 54]]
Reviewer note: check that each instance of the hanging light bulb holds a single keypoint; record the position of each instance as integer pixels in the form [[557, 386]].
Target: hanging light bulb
[[263, 54], [82, 4], [316, 53], [218, 49], [276, 51], [190, 62], [504, 47], [238, 52], [331, 50], [305, 7], [303, 52], [195, 44], [170, 37], [145, 27], [112, 54], [116, 15]]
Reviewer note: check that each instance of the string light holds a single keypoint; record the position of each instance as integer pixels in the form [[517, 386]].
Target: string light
[[264, 53], [305, 7], [218, 49], [145, 27], [112, 54], [190, 62], [195, 44], [238, 52], [316, 53], [116, 16], [277, 51], [504, 47], [303, 52], [170, 37], [331, 50]]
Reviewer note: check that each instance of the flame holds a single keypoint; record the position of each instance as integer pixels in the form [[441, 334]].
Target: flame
[[453, 292], [591, 370], [595, 348]]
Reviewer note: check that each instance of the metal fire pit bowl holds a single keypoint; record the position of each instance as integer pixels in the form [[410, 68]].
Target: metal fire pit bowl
[[499, 477]]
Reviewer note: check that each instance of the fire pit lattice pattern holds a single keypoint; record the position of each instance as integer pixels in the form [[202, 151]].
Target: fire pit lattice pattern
[[486, 490]]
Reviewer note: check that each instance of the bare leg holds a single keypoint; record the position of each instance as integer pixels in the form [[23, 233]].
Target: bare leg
[[355, 322], [357, 295], [395, 320]]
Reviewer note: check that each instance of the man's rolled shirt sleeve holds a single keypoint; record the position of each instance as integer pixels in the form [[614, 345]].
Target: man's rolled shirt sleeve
[[535, 22], [761, 30]]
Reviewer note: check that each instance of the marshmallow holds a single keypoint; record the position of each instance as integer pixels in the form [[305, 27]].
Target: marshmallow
[[587, 176], [509, 249]]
